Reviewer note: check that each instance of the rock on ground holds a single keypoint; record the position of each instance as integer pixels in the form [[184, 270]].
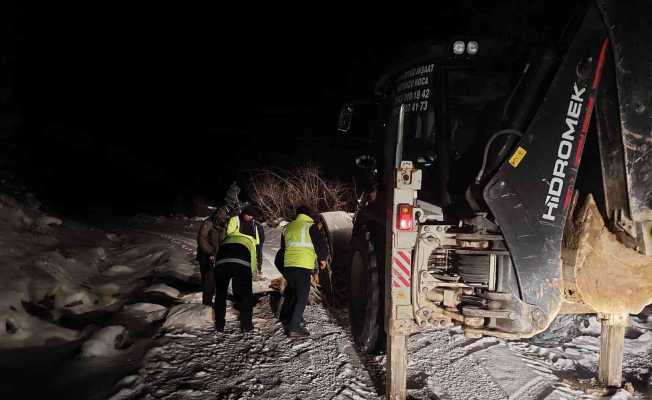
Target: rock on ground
[[189, 316], [21, 330], [164, 290], [183, 271], [105, 342], [195, 297], [146, 311], [118, 270]]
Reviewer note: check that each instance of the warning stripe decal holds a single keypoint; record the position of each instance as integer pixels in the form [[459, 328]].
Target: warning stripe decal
[[405, 257], [406, 283], [401, 269]]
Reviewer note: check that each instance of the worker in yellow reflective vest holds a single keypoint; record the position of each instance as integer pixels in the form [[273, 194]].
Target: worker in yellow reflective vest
[[303, 248], [237, 260]]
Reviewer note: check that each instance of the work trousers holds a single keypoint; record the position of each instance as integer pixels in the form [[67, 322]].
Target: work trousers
[[207, 281], [296, 296], [242, 290]]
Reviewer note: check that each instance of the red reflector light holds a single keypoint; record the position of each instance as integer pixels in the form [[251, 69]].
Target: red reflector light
[[404, 219]]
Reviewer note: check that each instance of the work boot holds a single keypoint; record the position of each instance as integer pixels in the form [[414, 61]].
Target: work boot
[[219, 327], [299, 333], [284, 325], [303, 329]]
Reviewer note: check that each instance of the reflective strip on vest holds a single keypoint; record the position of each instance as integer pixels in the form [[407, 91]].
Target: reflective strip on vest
[[299, 249], [233, 235], [234, 261], [305, 233]]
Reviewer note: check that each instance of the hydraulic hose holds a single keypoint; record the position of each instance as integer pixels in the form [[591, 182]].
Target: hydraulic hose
[[493, 137]]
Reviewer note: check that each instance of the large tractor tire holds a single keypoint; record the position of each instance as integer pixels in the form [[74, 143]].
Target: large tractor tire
[[366, 307], [333, 282]]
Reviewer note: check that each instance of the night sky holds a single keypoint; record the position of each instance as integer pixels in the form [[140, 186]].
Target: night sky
[[127, 107]]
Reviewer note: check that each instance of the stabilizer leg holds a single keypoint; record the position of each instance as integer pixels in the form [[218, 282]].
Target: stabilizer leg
[[612, 339], [396, 366]]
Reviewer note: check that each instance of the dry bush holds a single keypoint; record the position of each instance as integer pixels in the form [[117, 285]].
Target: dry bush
[[277, 192]]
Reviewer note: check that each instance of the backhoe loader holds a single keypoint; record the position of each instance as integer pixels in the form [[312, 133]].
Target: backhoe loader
[[507, 188]]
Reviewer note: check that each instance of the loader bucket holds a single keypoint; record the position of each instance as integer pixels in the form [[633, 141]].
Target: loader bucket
[[610, 278]]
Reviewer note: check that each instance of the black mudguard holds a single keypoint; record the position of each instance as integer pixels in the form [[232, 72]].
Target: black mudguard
[[530, 193]]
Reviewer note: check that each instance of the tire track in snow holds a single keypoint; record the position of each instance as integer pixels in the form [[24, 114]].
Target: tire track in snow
[[264, 365]]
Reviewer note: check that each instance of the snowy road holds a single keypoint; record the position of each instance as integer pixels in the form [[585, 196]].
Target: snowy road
[[117, 313], [197, 363], [443, 365], [264, 364]]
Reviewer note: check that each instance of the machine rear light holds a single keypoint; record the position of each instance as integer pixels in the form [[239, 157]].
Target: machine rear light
[[405, 218]]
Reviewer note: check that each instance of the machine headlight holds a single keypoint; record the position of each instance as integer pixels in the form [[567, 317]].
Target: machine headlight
[[458, 47], [472, 47]]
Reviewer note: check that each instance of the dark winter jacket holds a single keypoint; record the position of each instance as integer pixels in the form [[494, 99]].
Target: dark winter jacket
[[211, 233]]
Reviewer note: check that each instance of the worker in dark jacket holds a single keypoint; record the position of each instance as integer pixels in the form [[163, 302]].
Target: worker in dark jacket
[[237, 260], [303, 248], [211, 232]]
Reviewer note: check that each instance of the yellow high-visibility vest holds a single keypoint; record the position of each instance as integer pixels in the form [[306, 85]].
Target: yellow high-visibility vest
[[233, 235], [299, 250]]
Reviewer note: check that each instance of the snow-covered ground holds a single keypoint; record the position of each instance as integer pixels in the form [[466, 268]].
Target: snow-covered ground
[[116, 313], [198, 363]]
